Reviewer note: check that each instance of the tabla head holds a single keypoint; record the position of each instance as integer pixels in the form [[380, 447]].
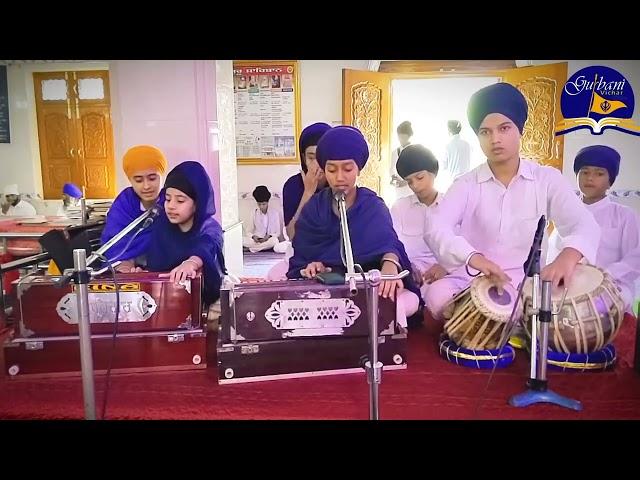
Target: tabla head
[[486, 295], [585, 279], [589, 317]]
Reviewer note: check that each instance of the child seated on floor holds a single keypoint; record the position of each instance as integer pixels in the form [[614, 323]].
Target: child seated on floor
[[266, 225]]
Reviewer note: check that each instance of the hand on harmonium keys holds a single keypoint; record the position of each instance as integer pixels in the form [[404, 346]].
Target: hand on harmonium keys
[[313, 269], [128, 266], [390, 288], [185, 271]]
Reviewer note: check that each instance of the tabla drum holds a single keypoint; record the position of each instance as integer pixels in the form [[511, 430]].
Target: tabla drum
[[478, 316], [590, 316]]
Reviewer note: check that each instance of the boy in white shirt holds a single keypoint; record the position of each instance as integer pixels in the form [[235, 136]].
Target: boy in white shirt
[[487, 219], [597, 167], [458, 151], [418, 167], [266, 228]]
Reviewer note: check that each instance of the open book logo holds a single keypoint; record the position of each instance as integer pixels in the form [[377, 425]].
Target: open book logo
[[597, 98]]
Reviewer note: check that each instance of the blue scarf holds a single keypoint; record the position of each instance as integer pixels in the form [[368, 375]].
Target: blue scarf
[[170, 246], [124, 210], [370, 227]]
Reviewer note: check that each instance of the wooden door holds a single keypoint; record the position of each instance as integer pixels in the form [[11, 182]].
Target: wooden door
[[94, 132], [542, 86], [56, 132], [75, 133], [366, 105]]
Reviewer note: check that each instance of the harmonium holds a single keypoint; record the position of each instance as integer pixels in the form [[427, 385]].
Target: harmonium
[[160, 326], [298, 328]]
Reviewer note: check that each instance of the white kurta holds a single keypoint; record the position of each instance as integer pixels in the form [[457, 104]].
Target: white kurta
[[478, 213], [619, 248]]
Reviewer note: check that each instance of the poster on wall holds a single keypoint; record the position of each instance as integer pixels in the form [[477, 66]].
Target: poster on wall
[[5, 136], [267, 111]]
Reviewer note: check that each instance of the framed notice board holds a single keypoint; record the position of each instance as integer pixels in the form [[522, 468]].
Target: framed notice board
[[5, 136], [267, 109]]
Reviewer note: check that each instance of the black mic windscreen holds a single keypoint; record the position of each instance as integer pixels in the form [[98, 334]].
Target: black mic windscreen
[[540, 229], [59, 247]]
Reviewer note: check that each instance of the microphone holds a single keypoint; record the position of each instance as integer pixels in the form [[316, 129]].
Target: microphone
[[146, 219], [534, 252], [345, 239], [153, 213]]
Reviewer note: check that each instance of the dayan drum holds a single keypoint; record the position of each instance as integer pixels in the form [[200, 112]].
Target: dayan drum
[[478, 316], [589, 316]]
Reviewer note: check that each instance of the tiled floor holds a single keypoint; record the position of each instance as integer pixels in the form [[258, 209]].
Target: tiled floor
[[258, 264]]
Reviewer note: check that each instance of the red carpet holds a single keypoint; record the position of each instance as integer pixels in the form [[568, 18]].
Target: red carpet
[[430, 388]]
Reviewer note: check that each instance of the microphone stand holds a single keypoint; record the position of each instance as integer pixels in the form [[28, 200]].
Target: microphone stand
[[372, 280], [537, 385], [83, 211], [146, 217], [81, 275], [346, 240]]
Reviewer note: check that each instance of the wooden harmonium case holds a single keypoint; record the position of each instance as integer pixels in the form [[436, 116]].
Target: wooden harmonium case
[[271, 330], [160, 325]]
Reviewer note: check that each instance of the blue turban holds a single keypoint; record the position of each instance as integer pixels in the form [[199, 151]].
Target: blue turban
[[343, 143], [309, 137], [415, 158], [598, 156], [501, 98], [72, 190]]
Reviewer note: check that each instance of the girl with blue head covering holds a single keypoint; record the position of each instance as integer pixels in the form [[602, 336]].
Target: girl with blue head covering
[[299, 188], [186, 237], [597, 167], [342, 153]]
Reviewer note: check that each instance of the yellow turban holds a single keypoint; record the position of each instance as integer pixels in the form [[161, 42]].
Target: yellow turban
[[144, 157]]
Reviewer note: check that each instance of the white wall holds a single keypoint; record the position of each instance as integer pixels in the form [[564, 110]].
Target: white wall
[[20, 159], [321, 88], [157, 102], [223, 139], [321, 101], [272, 176]]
